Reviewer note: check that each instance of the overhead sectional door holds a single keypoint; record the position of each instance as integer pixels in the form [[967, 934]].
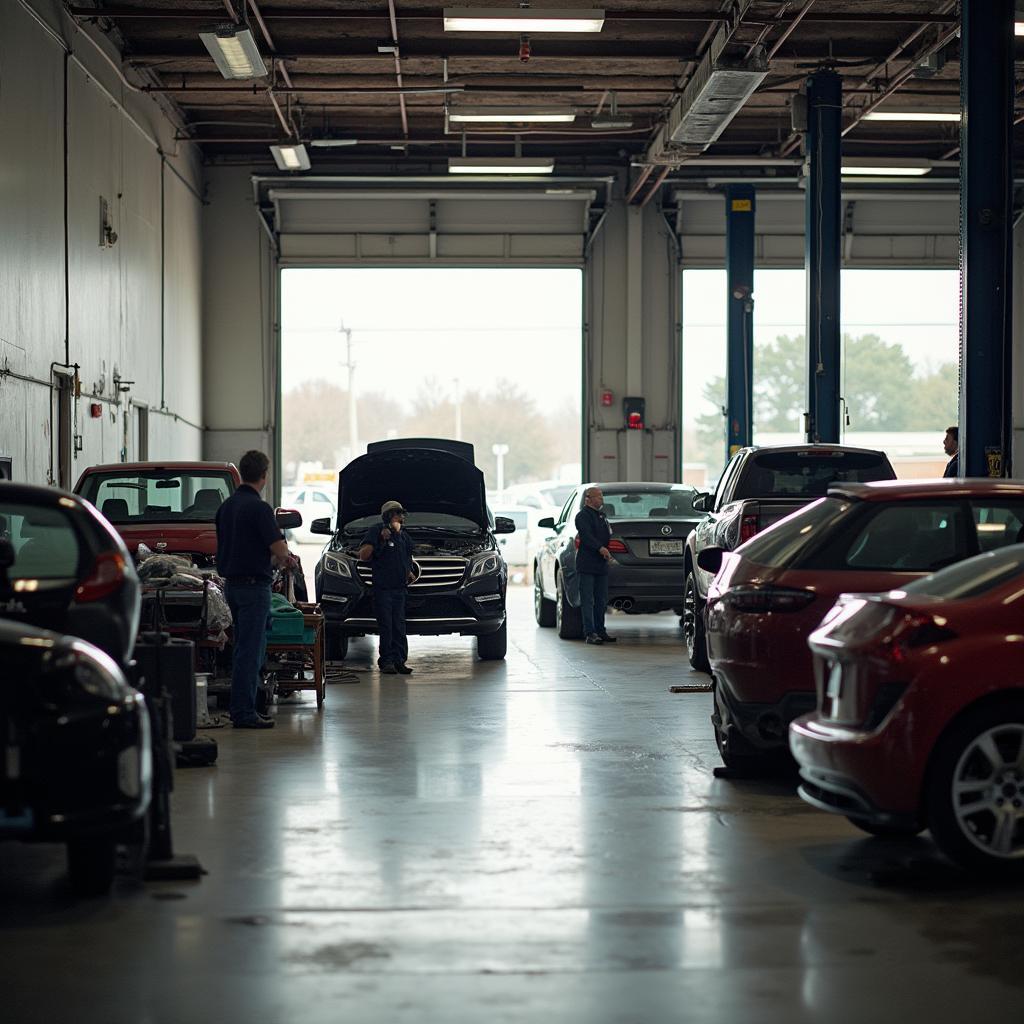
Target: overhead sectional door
[[327, 227]]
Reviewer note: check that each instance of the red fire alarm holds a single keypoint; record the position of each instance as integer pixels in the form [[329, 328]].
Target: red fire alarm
[[607, 398], [95, 410]]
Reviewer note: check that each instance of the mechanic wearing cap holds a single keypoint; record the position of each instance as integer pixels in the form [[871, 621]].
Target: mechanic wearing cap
[[389, 551]]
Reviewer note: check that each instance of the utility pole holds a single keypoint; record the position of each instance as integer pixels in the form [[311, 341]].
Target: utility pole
[[353, 429], [500, 451], [458, 411]]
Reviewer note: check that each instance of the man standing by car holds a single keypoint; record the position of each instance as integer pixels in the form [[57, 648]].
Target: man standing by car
[[249, 544], [592, 558], [389, 551], [951, 446]]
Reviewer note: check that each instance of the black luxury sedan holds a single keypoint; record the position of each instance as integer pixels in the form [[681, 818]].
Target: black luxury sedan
[[78, 763], [463, 577], [66, 569], [650, 523]]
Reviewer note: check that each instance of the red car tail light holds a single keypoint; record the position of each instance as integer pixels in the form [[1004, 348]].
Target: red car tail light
[[909, 633], [617, 546], [106, 577], [576, 543], [768, 599], [748, 527]]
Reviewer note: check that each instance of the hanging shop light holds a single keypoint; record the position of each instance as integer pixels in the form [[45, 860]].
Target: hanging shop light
[[234, 51], [500, 165], [291, 156], [511, 115], [521, 19]]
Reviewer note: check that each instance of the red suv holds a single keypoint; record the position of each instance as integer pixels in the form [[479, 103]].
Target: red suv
[[774, 590], [920, 719]]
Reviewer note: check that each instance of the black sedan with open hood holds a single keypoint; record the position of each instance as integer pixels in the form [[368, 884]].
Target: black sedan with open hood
[[463, 577]]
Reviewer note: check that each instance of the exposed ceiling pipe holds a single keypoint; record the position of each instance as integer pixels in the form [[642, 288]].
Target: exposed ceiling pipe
[[289, 124], [790, 28], [639, 183], [653, 190], [398, 67]]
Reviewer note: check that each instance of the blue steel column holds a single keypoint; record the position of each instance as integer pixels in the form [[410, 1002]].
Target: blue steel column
[[986, 183], [823, 227], [739, 260]]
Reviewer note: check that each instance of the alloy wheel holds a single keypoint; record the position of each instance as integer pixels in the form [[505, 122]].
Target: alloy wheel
[[689, 616]]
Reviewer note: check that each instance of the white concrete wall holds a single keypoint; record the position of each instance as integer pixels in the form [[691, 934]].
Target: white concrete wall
[[115, 291]]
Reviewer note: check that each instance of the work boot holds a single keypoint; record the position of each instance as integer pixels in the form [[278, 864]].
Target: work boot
[[402, 669], [255, 723], [593, 638], [606, 639], [388, 669]]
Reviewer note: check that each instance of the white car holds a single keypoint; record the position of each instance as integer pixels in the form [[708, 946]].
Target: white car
[[313, 503]]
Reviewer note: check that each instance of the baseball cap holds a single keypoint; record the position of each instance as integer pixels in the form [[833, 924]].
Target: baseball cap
[[391, 506]]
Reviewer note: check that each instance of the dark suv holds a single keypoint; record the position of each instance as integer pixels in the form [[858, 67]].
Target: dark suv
[[462, 581]]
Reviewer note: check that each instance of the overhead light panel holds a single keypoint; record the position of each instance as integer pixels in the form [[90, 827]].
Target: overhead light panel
[[505, 115], [291, 157], [1018, 28], [234, 51], [521, 20], [882, 169], [500, 165], [950, 117], [333, 143]]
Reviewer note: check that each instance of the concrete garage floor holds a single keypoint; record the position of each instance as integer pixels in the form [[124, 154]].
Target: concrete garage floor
[[539, 840]]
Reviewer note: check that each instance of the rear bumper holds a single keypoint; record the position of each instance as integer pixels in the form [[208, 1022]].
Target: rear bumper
[[762, 727]]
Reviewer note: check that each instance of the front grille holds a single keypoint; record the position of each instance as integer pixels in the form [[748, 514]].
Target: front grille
[[437, 573]]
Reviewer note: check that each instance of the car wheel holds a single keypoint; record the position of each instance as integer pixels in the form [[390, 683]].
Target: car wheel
[[91, 865], [543, 607], [493, 646], [693, 627], [975, 789], [336, 645], [569, 620], [885, 831]]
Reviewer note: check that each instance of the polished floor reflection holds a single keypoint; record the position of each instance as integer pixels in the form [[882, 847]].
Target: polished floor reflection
[[540, 840]]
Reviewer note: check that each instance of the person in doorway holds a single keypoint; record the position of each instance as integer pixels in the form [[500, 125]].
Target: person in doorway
[[951, 446], [592, 559], [249, 545], [389, 552]]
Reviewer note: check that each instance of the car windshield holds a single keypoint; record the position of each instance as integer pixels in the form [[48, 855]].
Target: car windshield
[[419, 521], [674, 503], [785, 540], [158, 496], [46, 544], [973, 577], [803, 474]]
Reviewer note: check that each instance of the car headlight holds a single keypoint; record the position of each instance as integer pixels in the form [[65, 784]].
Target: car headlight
[[485, 565], [338, 566], [96, 673]]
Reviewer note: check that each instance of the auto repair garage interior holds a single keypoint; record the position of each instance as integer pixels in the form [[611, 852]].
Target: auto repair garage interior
[[562, 834]]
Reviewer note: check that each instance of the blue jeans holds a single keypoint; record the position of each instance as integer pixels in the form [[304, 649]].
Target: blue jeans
[[250, 612], [593, 601], [390, 608]]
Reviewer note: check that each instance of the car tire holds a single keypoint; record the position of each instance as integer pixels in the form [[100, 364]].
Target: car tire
[[885, 831], [694, 635], [990, 837], [493, 646], [543, 607], [568, 620], [92, 862], [336, 645]]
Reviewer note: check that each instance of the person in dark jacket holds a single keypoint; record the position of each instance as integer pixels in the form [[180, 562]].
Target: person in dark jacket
[[951, 446], [389, 552], [592, 558]]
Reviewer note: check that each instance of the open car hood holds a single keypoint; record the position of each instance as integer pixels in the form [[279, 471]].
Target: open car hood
[[422, 479]]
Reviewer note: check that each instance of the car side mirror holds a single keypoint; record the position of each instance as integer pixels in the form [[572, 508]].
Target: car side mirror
[[710, 559], [503, 524], [700, 503], [288, 518], [547, 523], [321, 526]]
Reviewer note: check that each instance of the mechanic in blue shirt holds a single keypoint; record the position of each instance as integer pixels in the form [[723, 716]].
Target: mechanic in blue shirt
[[389, 551], [249, 545]]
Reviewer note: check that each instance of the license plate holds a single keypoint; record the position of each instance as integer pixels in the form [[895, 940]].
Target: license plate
[[666, 547], [834, 687]]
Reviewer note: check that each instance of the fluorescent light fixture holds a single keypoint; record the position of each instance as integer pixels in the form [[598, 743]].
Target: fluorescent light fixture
[[291, 156], [500, 165], [496, 115], [1018, 28], [234, 51], [333, 143], [952, 117], [880, 169], [521, 19]]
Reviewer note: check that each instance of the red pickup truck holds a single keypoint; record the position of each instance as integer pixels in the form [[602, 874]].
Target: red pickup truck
[[168, 506]]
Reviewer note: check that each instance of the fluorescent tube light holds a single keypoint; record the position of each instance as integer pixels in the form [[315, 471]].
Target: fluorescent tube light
[[913, 115], [234, 51], [1018, 28], [495, 115], [881, 170], [521, 19], [500, 165], [291, 157]]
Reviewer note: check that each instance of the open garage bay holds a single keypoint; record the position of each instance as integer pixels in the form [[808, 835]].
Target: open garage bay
[[538, 839]]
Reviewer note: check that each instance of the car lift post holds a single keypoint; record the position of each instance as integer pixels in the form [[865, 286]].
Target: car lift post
[[986, 236], [822, 254], [739, 259]]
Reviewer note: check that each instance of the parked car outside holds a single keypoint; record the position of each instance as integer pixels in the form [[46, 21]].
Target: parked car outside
[[757, 488], [515, 547], [66, 569], [311, 503], [78, 763], [773, 591], [650, 523], [463, 576], [920, 714]]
